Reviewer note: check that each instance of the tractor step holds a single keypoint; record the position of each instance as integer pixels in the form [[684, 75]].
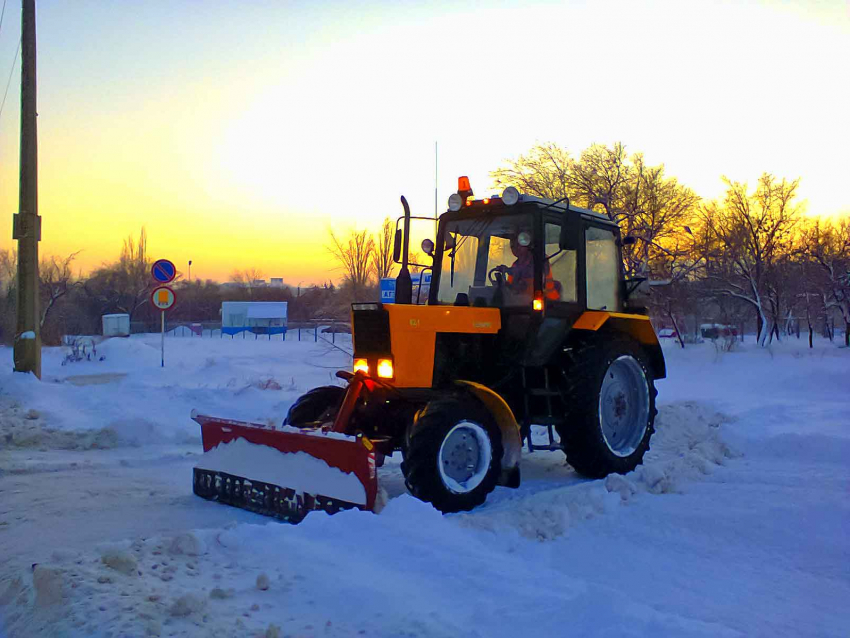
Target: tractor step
[[551, 446], [545, 420], [543, 392]]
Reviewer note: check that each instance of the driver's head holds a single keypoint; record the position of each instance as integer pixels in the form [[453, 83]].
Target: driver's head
[[521, 243]]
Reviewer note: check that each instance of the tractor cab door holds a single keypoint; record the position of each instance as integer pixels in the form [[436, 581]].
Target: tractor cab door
[[586, 276], [603, 267], [562, 282]]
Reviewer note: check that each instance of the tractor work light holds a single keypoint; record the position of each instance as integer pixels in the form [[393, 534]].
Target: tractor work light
[[361, 365], [455, 202], [510, 196], [385, 368], [365, 306]]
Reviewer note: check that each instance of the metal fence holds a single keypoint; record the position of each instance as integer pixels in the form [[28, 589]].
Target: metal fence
[[296, 330]]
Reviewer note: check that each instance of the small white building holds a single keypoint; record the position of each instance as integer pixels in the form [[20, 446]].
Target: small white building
[[253, 314], [116, 325]]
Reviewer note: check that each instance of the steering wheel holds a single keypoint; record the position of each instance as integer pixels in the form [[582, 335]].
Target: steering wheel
[[497, 276]]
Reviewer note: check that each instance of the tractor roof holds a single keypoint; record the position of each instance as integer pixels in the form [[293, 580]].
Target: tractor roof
[[495, 206], [561, 206]]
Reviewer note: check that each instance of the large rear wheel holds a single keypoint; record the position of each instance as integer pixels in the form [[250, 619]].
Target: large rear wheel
[[315, 407], [453, 455], [610, 396]]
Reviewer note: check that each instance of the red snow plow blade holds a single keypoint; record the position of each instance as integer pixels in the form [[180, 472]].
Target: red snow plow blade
[[283, 472]]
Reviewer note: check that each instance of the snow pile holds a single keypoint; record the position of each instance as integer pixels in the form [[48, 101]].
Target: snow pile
[[146, 404], [299, 471], [30, 429], [687, 445]]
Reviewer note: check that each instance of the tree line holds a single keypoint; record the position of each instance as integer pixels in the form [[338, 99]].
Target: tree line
[[750, 259], [73, 304]]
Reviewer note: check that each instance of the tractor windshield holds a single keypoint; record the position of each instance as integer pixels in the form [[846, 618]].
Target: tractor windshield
[[490, 259]]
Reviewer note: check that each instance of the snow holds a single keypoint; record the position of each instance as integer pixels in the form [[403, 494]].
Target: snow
[[736, 524], [299, 471], [29, 334]]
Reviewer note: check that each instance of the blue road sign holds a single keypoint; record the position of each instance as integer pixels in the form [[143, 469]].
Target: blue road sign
[[388, 288], [163, 271]]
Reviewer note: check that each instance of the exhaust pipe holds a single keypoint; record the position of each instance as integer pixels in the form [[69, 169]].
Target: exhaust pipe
[[403, 283]]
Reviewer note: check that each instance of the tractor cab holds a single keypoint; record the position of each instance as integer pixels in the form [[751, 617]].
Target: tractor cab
[[521, 253]]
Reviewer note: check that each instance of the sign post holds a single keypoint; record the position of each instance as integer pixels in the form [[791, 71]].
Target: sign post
[[162, 297]]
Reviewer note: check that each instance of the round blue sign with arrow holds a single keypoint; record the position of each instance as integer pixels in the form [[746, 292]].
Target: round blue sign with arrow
[[163, 271]]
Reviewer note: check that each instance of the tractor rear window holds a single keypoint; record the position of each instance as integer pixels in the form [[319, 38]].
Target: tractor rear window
[[489, 259]]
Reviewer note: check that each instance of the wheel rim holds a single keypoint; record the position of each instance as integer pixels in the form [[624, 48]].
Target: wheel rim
[[464, 457], [624, 406]]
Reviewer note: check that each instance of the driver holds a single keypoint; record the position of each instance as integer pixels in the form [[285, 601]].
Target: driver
[[520, 275]]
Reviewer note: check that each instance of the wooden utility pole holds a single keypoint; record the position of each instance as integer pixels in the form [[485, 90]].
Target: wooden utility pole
[[27, 223]]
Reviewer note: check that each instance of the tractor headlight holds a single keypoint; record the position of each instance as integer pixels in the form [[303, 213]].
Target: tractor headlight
[[455, 202], [510, 196], [361, 365], [385, 368]]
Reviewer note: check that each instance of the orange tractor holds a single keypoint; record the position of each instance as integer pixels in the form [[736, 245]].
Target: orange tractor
[[528, 321]]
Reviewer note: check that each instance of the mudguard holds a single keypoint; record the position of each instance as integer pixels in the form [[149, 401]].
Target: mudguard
[[505, 419], [638, 327]]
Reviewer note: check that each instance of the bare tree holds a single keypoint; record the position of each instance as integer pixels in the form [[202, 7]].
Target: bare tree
[[600, 177], [8, 272], [659, 213], [382, 257], [248, 279], [750, 234], [826, 245], [55, 281], [648, 205], [8, 265], [544, 172], [126, 284], [355, 257]]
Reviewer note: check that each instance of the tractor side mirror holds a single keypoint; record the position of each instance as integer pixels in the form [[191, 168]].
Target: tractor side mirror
[[397, 245], [628, 240], [571, 231]]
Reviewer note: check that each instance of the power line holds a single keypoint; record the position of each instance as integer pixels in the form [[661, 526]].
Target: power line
[[9, 81], [2, 13]]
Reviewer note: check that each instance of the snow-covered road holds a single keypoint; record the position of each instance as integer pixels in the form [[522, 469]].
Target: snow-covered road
[[736, 524]]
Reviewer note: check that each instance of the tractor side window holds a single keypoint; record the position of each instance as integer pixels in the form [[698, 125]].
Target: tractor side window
[[561, 264], [603, 270]]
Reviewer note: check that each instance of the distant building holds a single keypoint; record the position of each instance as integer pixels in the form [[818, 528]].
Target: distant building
[[260, 317], [116, 325], [276, 281]]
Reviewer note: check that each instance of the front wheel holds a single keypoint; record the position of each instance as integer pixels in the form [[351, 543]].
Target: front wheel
[[316, 407], [454, 454], [610, 395]]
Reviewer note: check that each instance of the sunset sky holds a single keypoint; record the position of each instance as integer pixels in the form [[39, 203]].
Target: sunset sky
[[239, 132]]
